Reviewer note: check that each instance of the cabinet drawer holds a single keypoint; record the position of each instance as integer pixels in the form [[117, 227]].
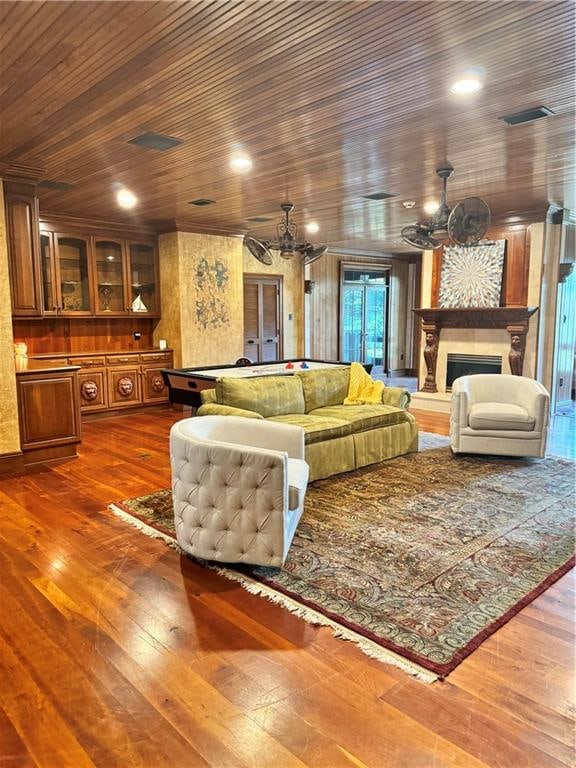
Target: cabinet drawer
[[126, 359], [88, 362], [54, 360], [155, 357]]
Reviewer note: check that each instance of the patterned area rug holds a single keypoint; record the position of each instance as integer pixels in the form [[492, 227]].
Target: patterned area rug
[[418, 559]]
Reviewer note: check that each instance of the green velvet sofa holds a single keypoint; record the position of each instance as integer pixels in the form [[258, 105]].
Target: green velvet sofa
[[338, 437]]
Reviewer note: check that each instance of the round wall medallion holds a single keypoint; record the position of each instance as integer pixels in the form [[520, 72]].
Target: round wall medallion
[[89, 390], [157, 383], [125, 386]]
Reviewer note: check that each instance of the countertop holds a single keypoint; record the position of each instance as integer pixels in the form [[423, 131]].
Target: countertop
[[93, 352], [30, 365]]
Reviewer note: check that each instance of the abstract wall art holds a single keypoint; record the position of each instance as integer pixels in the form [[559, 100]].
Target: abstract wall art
[[212, 302], [472, 275]]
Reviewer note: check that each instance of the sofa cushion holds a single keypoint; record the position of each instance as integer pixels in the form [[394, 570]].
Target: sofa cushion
[[316, 428], [362, 417], [324, 387], [500, 416], [267, 395]]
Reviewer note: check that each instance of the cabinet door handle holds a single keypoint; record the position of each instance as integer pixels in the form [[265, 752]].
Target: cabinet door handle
[[250, 341], [269, 340], [123, 359]]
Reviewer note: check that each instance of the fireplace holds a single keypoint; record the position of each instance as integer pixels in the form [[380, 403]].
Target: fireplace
[[464, 365]]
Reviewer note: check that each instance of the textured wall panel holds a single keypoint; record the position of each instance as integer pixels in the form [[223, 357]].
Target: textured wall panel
[[9, 433]]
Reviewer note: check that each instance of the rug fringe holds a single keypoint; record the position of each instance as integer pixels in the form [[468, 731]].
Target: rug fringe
[[368, 647]]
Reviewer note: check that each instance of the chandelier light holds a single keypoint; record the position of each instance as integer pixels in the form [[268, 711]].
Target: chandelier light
[[286, 243]]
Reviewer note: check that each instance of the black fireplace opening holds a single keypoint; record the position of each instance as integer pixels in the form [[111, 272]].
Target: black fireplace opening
[[465, 365]]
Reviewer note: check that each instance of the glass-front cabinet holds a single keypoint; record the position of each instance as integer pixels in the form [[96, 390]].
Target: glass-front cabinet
[[98, 275], [110, 277], [73, 272], [143, 275]]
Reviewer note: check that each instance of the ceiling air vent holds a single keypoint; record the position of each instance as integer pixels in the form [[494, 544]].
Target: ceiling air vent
[[527, 115], [201, 201], [60, 186], [155, 141], [259, 219], [379, 196]]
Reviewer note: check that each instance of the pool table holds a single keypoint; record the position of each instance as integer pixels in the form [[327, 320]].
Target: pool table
[[185, 384]]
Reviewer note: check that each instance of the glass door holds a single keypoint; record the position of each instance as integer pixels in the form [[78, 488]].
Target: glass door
[[110, 277], [50, 301], [364, 311], [142, 272], [73, 274]]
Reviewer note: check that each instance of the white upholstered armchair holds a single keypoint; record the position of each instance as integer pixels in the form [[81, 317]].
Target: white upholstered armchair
[[499, 414], [238, 487]]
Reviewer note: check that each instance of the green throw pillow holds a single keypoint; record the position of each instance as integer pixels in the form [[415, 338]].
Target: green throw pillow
[[325, 387]]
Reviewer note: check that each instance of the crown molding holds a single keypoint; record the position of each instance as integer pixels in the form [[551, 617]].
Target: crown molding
[[70, 221], [180, 225], [12, 171]]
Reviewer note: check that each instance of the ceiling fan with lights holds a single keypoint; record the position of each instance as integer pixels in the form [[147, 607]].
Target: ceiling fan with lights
[[465, 224], [286, 242]]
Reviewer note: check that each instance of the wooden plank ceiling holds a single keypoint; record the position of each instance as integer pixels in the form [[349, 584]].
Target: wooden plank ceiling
[[333, 101]]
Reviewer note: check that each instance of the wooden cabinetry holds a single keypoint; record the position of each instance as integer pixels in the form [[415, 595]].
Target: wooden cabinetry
[[73, 267], [97, 275], [121, 380], [46, 431], [21, 209]]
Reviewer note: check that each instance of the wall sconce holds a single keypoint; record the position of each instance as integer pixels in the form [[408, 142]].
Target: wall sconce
[[309, 286]]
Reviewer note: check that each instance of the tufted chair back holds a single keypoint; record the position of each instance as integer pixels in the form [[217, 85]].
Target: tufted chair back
[[238, 488]]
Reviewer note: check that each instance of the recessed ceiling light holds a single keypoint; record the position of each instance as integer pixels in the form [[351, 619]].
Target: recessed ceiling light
[[431, 207], [312, 228], [240, 161], [466, 86], [409, 203], [126, 199]]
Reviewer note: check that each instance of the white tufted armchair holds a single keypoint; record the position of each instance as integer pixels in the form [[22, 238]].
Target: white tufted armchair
[[499, 414], [238, 487]]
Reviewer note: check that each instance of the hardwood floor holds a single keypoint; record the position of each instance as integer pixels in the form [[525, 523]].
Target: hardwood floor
[[115, 651]]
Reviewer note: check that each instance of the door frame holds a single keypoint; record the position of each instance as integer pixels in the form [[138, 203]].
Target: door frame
[[258, 277], [385, 268]]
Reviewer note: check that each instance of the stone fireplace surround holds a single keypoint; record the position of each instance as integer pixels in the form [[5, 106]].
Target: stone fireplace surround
[[486, 331]]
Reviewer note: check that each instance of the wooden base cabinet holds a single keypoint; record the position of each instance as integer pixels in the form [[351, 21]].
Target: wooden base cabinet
[[46, 431], [121, 380]]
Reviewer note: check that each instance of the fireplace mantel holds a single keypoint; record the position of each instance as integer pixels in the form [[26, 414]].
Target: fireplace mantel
[[486, 317], [514, 319]]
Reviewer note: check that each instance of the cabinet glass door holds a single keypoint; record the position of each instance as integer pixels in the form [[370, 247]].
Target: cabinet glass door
[[49, 298], [109, 277], [72, 254], [143, 281]]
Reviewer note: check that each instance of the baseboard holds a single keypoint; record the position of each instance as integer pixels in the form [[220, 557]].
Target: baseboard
[[11, 462], [397, 372], [412, 372]]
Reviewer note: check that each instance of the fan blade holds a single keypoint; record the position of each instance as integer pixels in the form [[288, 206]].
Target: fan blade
[[259, 250], [312, 254], [419, 237], [469, 221]]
